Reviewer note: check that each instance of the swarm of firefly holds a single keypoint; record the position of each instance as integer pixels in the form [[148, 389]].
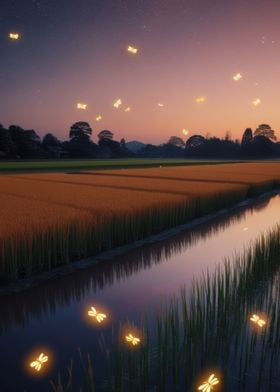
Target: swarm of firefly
[[39, 362], [209, 385], [99, 317], [81, 106], [257, 320], [132, 49], [14, 36], [257, 102], [117, 103], [237, 77], [200, 100], [133, 340]]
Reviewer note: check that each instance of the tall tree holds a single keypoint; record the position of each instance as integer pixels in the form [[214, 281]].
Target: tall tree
[[247, 137], [265, 130], [80, 131], [176, 141], [194, 141], [105, 135]]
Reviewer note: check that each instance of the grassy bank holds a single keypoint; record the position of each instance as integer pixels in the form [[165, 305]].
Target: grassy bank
[[205, 330], [48, 165]]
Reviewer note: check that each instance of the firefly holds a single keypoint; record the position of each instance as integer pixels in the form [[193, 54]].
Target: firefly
[[128, 109], [200, 100], [39, 361], [81, 106], [132, 49], [14, 36], [256, 102], [209, 385], [132, 339], [237, 77], [185, 132], [257, 320], [117, 103], [160, 105], [98, 118], [95, 314], [245, 228]]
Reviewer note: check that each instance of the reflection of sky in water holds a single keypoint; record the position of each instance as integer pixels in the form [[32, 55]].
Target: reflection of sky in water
[[53, 313]]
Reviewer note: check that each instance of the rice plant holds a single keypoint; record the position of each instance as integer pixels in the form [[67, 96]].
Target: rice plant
[[209, 327]]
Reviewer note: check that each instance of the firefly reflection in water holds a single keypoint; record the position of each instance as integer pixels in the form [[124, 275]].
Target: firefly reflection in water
[[39, 361], [257, 320], [99, 317], [132, 339], [209, 385]]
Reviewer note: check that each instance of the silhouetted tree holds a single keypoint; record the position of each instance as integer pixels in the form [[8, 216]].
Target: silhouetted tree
[[7, 146], [176, 141], [194, 141], [265, 130], [105, 135], [80, 145], [53, 146], [27, 142], [80, 131], [247, 137]]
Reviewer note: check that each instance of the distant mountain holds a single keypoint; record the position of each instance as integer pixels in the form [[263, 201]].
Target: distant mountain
[[134, 145]]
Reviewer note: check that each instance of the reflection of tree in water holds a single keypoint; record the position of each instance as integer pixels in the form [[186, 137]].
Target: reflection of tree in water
[[48, 296]]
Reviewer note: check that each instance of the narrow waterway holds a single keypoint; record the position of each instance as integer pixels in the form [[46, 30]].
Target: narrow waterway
[[52, 315]]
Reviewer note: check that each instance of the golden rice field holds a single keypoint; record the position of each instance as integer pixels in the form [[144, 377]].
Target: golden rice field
[[47, 220]]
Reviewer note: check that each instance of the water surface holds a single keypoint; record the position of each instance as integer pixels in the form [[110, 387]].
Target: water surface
[[128, 286]]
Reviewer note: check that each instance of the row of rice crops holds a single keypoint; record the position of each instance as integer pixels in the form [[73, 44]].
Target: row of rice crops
[[206, 330], [48, 220]]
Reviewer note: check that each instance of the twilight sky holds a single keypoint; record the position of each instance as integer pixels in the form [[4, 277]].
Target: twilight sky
[[72, 51]]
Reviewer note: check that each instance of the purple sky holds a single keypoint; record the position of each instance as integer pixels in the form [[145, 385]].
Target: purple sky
[[73, 51]]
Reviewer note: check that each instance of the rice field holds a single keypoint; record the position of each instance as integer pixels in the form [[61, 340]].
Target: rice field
[[48, 220]]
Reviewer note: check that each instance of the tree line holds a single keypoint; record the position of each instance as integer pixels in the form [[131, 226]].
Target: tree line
[[18, 143]]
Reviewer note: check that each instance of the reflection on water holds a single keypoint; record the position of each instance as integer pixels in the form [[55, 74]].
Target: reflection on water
[[49, 296], [128, 286]]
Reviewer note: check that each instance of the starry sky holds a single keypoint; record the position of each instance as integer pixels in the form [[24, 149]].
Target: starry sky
[[72, 51]]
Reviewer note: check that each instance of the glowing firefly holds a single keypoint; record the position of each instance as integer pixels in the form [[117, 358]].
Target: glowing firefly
[[95, 314], [14, 36], [237, 77], [39, 361], [200, 100], [132, 339], [245, 228], [98, 118], [185, 132], [256, 102], [209, 385], [160, 105], [257, 320], [128, 109], [132, 49], [81, 106], [117, 103]]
